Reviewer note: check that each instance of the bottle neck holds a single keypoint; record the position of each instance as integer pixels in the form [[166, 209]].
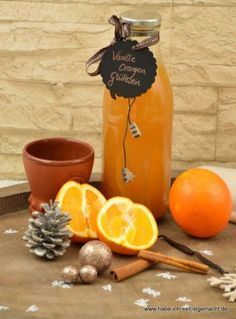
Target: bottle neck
[[140, 36], [147, 32]]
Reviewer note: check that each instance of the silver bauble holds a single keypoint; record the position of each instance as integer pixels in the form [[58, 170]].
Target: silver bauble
[[70, 274], [88, 274], [97, 254]]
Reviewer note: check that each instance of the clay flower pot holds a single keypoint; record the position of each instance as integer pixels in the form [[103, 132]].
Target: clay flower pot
[[51, 162]]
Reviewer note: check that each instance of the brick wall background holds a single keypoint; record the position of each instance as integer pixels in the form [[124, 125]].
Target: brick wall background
[[44, 90]]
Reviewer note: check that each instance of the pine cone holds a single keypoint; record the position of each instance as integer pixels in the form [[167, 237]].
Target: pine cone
[[47, 235]]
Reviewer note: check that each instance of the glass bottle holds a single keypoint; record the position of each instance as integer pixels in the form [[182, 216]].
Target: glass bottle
[[148, 156]]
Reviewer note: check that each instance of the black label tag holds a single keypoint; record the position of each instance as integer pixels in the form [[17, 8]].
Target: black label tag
[[127, 72]]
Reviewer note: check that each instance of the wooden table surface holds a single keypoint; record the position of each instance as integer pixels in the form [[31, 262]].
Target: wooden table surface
[[26, 280]]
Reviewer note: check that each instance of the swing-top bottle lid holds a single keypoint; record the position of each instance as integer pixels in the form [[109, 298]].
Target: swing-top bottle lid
[[141, 19]]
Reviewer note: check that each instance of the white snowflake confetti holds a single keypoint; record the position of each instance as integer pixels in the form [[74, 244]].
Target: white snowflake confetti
[[207, 252], [183, 299], [10, 231], [166, 275], [107, 287], [32, 308], [61, 284], [151, 292], [4, 308], [186, 306], [142, 302]]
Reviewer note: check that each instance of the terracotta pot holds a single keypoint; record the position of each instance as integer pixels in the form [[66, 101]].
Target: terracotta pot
[[49, 163]]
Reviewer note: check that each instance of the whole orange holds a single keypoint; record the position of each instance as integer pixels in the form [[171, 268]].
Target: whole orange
[[200, 202]]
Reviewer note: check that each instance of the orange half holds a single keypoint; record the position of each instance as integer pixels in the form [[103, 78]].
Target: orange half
[[82, 202], [125, 226]]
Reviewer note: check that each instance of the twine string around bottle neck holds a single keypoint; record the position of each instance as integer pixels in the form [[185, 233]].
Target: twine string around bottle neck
[[122, 32]]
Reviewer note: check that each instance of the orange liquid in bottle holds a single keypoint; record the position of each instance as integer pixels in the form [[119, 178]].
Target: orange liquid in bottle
[[148, 157]]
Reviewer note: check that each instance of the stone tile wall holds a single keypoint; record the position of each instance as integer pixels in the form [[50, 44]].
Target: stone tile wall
[[44, 90]]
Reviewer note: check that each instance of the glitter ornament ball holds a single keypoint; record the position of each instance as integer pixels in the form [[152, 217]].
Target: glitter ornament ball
[[88, 274], [70, 274], [97, 254]]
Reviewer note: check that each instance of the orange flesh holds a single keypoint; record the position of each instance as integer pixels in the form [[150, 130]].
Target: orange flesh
[[113, 224], [82, 203], [72, 203], [134, 225], [143, 229], [93, 207]]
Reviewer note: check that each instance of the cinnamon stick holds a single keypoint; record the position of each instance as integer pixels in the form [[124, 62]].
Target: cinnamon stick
[[144, 262], [173, 261], [125, 271], [187, 262]]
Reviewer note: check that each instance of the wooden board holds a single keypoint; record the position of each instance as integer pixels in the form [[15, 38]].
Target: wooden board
[[27, 280], [15, 197]]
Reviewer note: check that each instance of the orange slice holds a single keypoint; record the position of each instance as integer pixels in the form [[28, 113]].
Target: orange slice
[[126, 227], [82, 202]]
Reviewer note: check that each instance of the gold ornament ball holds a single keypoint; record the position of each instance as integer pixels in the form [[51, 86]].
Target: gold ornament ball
[[70, 274], [88, 274], [96, 254]]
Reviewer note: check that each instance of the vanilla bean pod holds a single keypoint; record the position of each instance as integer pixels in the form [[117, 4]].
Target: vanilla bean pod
[[187, 250]]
